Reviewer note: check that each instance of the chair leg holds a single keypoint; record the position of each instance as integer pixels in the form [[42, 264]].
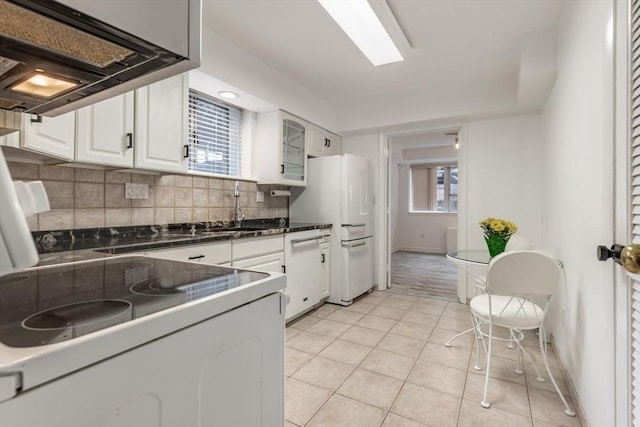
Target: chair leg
[[541, 339], [479, 340], [485, 403], [448, 344], [519, 361]]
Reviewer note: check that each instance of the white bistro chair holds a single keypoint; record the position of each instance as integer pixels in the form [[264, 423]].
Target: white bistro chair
[[515, 243], [517, 282]]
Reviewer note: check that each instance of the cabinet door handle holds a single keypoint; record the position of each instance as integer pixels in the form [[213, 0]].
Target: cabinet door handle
[[354, 225], [129, 140], [284, 269], [37, 119], [186, 151], [282, 168], [196, 257], [326, 142], [322, 255]]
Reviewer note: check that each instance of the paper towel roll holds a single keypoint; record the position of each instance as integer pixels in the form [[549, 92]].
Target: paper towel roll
[[277, 193]]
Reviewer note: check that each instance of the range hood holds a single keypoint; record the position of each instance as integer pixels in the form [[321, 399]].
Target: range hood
[[58, 56]]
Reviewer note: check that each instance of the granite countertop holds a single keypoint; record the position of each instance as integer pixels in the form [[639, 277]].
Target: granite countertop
[[80, 245]]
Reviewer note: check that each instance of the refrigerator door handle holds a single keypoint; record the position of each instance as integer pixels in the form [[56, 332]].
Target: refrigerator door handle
[[355, 245], [354, 225]]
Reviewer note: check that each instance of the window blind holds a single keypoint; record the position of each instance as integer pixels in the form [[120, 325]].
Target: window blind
[[214, 135], [423, 196]]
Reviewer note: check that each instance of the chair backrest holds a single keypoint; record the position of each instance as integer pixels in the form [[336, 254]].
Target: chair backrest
[[518, 243], [523, 273]]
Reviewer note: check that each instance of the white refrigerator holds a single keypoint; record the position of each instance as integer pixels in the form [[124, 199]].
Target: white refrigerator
[[338, 192]]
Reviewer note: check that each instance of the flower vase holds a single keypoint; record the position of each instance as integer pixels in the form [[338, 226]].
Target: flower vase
[[496, 244]]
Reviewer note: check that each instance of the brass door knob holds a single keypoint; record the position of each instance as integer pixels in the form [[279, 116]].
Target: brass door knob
[[630, 258], [627, 256]]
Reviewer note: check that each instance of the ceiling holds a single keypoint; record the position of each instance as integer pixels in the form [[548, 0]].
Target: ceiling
[[465, 55]]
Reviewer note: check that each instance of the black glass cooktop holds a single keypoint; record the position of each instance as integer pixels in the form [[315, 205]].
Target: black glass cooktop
[[54, 304]]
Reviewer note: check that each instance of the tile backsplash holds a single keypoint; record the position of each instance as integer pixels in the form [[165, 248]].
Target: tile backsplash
[[89, 198]]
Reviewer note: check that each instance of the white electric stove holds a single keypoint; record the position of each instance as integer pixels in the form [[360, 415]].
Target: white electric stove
[[141, 341]]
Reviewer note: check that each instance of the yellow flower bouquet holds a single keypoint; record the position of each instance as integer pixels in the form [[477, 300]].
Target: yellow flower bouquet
[[497, 233]]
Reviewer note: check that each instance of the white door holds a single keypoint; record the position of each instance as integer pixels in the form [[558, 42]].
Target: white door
[[105, 132], [356, 197], [54, 136], [161, 125], [627, 220]]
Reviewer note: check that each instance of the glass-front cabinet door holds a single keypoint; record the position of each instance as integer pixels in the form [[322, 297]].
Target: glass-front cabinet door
[[293, 150]]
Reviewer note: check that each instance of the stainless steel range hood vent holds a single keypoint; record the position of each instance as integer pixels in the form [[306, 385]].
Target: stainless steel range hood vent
[[57, 56]]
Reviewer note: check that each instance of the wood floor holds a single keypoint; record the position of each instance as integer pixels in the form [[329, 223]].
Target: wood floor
[[423, 275]]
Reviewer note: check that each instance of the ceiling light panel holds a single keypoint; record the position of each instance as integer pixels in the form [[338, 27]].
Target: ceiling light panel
[[360, 23]]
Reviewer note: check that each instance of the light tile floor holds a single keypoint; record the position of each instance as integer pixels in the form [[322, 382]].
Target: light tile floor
[[382, 362]]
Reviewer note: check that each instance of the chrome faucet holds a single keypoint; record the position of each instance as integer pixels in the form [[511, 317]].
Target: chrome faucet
[[238, 214]]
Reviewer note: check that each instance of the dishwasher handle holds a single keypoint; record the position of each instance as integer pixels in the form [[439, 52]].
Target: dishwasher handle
[[308, 239]]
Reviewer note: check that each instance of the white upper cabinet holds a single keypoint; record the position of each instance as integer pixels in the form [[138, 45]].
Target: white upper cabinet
[[105, 132], [161, 125], [51, 136], [280, 149], [322, 142]]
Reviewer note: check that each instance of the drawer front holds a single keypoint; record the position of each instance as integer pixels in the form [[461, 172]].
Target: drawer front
[[255, 246], [271, 263], [211, 253]]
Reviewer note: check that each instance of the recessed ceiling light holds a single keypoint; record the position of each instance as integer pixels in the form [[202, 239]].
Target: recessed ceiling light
[[227, 94], [358, 20]]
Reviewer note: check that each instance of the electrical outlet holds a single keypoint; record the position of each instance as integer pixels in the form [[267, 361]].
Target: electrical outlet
[[260, 196], [142, 191], [128, 190]]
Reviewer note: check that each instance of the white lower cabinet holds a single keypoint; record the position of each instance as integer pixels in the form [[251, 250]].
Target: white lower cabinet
[[302, 256], [264, 253], [325, 267], [208, 253]]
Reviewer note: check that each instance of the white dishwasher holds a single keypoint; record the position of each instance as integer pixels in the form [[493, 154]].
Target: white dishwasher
[[211, 354], [303, 259]]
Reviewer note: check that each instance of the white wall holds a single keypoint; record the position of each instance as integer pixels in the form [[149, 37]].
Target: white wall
[[500, 176], [578, 203]]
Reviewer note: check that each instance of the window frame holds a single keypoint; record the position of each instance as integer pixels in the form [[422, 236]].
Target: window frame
[[240, 145]]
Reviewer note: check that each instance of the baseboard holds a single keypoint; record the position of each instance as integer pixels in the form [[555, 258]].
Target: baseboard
[[434, 251], [572, 388]]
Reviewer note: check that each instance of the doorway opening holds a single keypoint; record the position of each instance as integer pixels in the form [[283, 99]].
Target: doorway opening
[[422, 197]]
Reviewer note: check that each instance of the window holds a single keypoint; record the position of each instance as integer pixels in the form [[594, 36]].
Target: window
[[214, 135], [433, 188]]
